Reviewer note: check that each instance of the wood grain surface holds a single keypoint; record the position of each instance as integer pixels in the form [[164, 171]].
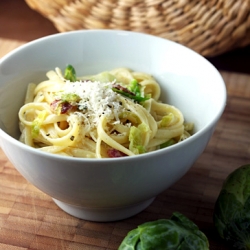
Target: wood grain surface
[[30, 220]]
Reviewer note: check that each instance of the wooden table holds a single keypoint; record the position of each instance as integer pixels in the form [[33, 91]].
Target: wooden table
[[29, 219]]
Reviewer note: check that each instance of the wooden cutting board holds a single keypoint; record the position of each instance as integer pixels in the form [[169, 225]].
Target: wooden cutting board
[[29, 219]]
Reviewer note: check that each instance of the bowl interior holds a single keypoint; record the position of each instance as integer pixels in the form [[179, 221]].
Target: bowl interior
[[187, 80]]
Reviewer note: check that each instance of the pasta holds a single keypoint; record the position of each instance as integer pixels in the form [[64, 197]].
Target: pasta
[[112, 114]]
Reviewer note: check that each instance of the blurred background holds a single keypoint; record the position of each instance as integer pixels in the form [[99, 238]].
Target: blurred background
[[19, 22]]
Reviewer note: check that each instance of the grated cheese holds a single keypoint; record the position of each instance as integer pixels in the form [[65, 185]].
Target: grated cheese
[[96, 99]]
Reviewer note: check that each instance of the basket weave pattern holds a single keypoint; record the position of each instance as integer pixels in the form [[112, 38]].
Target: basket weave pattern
[[210, 27]]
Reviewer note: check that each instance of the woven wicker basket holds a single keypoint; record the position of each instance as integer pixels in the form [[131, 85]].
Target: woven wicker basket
[[210, 27]]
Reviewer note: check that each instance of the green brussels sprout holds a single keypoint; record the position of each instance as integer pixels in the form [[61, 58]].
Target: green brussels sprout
[[70, 73], [176, 233], [232, 209]]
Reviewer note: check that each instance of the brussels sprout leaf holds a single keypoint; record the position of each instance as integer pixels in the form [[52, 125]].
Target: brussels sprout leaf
[[176, 233]]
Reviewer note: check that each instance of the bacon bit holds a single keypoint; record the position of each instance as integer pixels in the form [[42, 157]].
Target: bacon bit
[[119, 87], [65, 107], [114, 153], [54, 104]]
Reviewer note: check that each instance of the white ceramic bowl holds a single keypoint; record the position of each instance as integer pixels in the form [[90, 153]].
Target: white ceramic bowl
[[110, 189]]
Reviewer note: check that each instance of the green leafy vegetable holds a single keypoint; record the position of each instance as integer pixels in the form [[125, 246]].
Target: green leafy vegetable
[[176, 233], [70, 73], [36, 124], [136, 137], [166, 120], [70, 98], [135, 87], [232, 209]]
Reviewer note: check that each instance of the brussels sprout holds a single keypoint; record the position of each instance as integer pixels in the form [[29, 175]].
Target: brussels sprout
[[70, 73], [232, 209], [136, 137], [176, 233], [37, 123]]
